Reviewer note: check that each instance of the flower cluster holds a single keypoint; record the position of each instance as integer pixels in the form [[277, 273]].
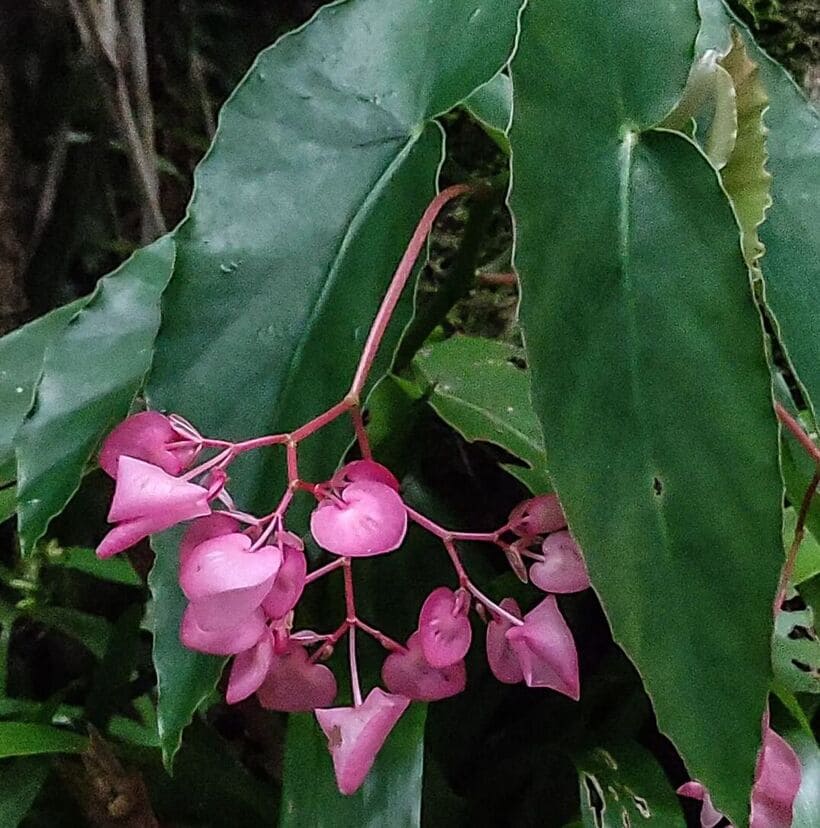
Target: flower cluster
[[243, 577]]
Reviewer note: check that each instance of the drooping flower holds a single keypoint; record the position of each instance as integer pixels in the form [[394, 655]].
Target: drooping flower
[[364, 518], [249, 669], [290, 581], [408, 673], [358, 470], [226, 580], [148, 500], [541, 649], [563, 568], [147, 436], [222, 642], [537, 516], [294, 683], [356, 734], [444, 627], [777, 781]]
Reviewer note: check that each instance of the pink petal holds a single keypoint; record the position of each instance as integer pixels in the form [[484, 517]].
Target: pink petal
[[222, 642], [356, 734], [563, 568], [444, 627], [205, 528], [289, 583], [546, 650], [408, 674], [294, 684], [125, 535], [709, 815], [144, 490], [364, 470], [366, 519], [538, 516], [500, 656], [249, 670], [145, 436], [778, 781]]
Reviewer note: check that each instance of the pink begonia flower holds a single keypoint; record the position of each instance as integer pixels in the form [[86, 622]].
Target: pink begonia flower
[[444, 628], [364, 470], [205, 528], [538, 516], [408, 673], [290, 582], [146, 436], [777, 781], [295, 684], [226, 581], [356, 734], [148, 500], [563, 568], [249, 670], [222, 642], [365, 518], [542, 647], [500, 655]]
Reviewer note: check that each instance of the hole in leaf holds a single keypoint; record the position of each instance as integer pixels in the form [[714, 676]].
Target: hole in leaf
[[657, 486], [642, 806], [595, 798], [793, 604], [796, 633], [804, 668], [518, 362]]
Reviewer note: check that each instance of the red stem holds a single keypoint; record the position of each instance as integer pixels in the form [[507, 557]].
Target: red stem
[[445, 534], [799, 433]]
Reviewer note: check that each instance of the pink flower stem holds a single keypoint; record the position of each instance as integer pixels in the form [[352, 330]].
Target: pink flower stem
[[797, 430], [242, 517], [223, 457], [330, 641], [385, 640], [466, 583], [440, 532], [324, 570], [312, 426], [799, 532], [351, 620], [394, 291], [274, 519], [260, 442], [361, 433], [293, 464]]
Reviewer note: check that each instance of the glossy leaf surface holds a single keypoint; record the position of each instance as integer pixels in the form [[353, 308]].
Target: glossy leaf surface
[[648, 369]]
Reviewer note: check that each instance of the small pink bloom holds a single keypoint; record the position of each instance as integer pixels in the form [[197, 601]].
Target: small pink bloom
[[365, 518], [290, 582], [444, 628], [777, 781], [356, 734], [205, 528], [500, 655], [148, 500], [295, 684], [364, 470], [146, 436], [546, 650], [226, 581], [249, 670], [409, 674], [538, 516], [563, 568], [222, 642]]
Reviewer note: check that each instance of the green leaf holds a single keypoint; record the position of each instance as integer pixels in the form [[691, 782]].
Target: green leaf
[[477, 388], [21, 360], [649, 373], [491, 106], [807, 802], [93, 631], [92, 371], [8, 502], [26, 739], [745, 177], [791, 233], [184, 678], [624, 785], [796, 651], [115, 570], [20, 782], [391, 794], [325, 157], [807, 564]]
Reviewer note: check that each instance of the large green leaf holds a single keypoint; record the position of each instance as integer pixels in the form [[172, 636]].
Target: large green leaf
[[27, 739], [20, 782], [624, 785], [92, 371], [324, 159], [491, 106], [791, 233], [391, 795], [649, 373], [21, 361], [477, 387]]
